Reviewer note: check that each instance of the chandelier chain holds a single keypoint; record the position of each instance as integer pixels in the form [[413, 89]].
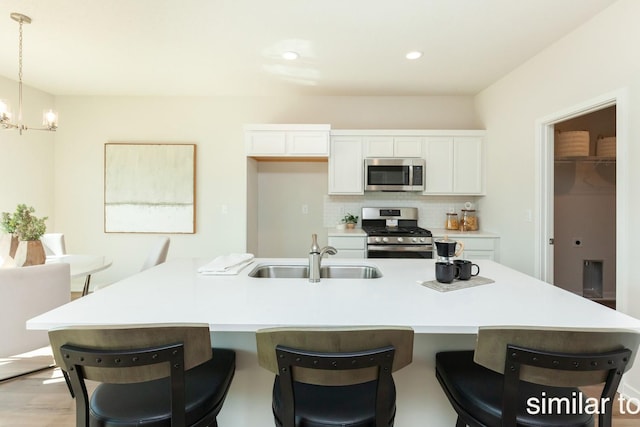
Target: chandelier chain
[[20, 52], [20, 72]]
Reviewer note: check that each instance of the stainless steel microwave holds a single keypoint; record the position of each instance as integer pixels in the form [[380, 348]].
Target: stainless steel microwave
[[394, 174]]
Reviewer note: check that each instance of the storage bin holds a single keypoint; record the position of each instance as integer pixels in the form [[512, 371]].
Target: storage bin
[[572, 144], [606, 147]]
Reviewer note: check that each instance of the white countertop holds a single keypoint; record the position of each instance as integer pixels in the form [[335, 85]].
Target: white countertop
[[175, 292], [437, 232], [353, 232]]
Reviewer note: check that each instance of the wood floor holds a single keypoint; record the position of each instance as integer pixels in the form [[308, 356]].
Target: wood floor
[[42, 399]]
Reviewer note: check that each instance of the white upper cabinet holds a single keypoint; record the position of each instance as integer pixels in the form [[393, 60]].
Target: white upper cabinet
[[393, 146], [439, 165], [467, 165], [346, 165], [454, 165], [287, 140]]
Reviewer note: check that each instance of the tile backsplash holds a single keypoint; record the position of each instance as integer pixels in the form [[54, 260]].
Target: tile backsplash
[[432, 210]]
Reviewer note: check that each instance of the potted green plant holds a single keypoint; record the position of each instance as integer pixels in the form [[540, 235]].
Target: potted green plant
[[29, 229], [350, 220]]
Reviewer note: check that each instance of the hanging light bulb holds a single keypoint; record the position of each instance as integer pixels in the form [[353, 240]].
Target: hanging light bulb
[[50, 118]]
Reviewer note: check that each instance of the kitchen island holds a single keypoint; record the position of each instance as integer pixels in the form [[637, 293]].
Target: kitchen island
[[236, 306]]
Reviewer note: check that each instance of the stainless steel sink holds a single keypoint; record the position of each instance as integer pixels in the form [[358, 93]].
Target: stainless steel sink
[[280, 271], [299, 271]]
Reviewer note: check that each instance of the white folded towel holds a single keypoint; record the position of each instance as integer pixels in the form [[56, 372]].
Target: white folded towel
[[227, 264]]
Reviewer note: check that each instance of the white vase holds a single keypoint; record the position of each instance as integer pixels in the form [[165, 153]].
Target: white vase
[[8, 245]]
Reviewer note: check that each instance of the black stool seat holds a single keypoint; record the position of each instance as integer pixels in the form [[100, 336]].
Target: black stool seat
[[352, 405], [125, 405], [477, 392]]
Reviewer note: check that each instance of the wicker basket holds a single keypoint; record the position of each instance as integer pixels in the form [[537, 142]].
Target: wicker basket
[[572, 144], [606, 147]]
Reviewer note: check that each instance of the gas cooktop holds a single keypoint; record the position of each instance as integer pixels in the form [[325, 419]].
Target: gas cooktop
[[392, 222], [374, 230]]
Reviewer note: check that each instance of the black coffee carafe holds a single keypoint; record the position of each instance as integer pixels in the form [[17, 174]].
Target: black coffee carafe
[[446, 249]]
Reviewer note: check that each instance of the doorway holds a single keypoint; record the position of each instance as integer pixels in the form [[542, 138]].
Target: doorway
[[584, 205], [570, 180]]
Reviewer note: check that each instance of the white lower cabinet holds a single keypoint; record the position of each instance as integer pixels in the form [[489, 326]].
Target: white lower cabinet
[[475, 247], [349, 246], [480, 248]]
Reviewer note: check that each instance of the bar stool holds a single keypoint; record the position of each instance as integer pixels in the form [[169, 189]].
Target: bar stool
[[530, 377], [334, 376]]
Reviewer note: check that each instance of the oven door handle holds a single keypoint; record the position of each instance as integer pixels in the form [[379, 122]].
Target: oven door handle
[[400, 248]]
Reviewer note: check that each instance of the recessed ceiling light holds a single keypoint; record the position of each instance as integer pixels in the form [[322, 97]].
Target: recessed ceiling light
[[414, 55], [290, 56]]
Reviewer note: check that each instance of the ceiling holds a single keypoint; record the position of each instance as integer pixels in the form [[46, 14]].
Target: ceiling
[[233, 47]]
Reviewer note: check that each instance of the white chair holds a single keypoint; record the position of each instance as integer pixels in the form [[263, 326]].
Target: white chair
[[27, 292], [158, 253], [53, 244]]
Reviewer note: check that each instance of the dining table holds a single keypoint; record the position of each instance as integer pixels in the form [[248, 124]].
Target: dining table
[[82, 265]]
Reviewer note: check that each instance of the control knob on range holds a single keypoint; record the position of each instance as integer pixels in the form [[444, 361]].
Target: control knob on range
[[385, 239], [414, 239], [400, 239]]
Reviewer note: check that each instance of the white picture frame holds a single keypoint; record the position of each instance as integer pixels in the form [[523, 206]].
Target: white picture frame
[[149, 188]]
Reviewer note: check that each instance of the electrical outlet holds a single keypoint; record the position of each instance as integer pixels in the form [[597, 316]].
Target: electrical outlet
[[305, 209], [224, 209]]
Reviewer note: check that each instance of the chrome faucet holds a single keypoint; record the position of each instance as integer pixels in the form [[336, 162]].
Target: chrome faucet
[[315, 258]]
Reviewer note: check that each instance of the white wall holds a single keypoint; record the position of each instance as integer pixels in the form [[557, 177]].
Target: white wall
[[27, 161], [215, 124], [290, 204], [598, 58]]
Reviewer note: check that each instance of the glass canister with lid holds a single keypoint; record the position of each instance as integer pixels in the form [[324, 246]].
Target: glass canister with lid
[[452, 222], [469, 220]]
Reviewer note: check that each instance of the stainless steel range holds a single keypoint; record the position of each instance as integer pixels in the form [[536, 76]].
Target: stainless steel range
[[394, 233]]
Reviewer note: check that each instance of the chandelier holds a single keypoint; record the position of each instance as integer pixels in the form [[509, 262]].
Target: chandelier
[[49, 117]]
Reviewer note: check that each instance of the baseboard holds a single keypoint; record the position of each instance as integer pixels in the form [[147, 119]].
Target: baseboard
[[27, 363], [628, 392]]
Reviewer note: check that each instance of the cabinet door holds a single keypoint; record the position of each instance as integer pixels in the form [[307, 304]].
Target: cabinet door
[[346, 166], [439, 165], [378, 146], [308, 144], [474, 255], [266, 143], [349, 246], [407, 146], [350, 253], [467, 166]]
